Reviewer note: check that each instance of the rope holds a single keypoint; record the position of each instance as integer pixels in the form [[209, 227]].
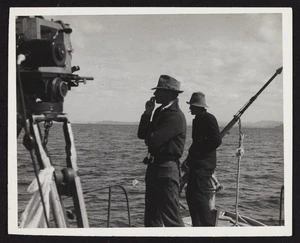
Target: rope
[[239, 154]]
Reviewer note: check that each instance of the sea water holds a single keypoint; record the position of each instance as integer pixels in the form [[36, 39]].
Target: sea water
[[111, 156]]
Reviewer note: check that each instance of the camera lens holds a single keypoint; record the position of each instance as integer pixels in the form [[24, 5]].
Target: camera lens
[[63, 89], [59, 88]]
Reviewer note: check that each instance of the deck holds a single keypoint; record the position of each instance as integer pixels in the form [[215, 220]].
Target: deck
[[228, 219]]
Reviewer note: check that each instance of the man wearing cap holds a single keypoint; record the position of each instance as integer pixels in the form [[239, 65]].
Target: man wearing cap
[[165, 137], [201, 160]]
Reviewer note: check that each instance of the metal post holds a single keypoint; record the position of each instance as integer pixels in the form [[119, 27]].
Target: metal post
[[281, 205], [239, 154], [108, 211]]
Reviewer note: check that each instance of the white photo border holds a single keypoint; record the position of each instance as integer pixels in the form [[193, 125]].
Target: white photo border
[[285, 230]]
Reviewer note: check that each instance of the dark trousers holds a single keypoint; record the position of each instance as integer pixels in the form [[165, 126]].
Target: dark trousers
[[162, 195], [200, 196]]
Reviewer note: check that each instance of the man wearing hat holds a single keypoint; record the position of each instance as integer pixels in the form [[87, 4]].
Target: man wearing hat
[[165, 137], [201, 160]]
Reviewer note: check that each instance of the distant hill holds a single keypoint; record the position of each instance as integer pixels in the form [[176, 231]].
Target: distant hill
[[115, 123], [259, 124]]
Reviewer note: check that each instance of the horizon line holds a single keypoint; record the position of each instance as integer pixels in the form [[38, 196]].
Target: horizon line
[[188, 123]]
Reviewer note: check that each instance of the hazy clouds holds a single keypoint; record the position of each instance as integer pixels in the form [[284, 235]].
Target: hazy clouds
[[227, 56]]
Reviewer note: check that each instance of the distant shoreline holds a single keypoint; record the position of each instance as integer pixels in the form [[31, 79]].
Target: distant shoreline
[[260, 124]]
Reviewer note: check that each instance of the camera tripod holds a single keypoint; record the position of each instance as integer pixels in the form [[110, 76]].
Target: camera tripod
[[41, 92], [44, 76], [64, 182]]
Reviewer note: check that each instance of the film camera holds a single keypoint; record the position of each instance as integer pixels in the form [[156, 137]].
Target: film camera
[[44, 54], [44, 76]]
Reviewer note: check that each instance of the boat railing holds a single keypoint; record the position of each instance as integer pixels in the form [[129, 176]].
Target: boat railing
[[109, 201]]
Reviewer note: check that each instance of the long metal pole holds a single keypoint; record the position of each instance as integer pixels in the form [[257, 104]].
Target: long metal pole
[[246, 106]]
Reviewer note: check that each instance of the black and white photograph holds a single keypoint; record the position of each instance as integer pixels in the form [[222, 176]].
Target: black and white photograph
[[150, 122]]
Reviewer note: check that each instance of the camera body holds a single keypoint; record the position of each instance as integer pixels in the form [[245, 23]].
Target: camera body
[[46, 73], [46, 43]]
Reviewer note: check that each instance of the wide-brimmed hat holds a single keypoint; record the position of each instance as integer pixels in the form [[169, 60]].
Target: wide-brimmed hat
[[198, 99], [169, 83]]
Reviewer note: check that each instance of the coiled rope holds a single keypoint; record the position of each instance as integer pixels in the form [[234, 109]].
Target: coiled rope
[[239, 154]]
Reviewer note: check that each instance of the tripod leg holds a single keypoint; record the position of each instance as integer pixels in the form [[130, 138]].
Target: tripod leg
[[58, 210], [76, 189]]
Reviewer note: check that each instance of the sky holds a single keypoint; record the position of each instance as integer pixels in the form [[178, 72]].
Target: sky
[[229, 57]]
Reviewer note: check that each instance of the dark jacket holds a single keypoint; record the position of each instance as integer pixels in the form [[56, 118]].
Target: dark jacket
[[206, 139], [165, 135]]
